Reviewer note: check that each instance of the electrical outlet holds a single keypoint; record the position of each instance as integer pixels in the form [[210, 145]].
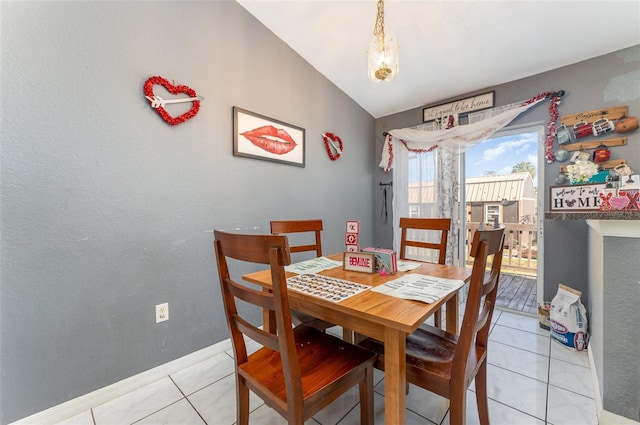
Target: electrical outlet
[[162, 312]]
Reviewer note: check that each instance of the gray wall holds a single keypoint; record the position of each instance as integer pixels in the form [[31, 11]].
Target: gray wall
[[609, 80], [107, 210]]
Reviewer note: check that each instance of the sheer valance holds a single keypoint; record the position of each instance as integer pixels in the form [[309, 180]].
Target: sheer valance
[[460, 138]]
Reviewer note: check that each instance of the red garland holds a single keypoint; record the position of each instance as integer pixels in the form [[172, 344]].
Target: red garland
[[327, 145], [173, 89], [551, 124]]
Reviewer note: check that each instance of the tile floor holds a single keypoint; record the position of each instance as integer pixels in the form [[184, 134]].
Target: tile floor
[[532, 380]]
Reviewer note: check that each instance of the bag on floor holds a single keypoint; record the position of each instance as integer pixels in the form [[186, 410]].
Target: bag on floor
[[568, 319]]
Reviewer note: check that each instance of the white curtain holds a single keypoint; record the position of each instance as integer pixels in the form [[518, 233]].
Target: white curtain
[[456, 139], [426, 165]]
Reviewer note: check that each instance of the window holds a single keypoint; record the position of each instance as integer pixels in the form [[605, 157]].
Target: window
[[492, 213]]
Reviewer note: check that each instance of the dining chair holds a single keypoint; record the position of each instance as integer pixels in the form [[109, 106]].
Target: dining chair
[[297, 371], [428, 227], [445, 363], [283, 227]]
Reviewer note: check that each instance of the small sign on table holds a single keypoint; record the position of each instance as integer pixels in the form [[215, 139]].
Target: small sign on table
[[359, 262]]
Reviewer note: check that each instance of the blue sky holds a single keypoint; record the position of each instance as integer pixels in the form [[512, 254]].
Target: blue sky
[[501, 154]]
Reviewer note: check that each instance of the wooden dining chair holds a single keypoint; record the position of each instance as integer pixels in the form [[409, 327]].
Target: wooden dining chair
[[438, 227], [445, 363], [297, 371], [283, 227]]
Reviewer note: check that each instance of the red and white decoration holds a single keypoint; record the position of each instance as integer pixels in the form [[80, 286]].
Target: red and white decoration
[[351, 236], [458, 139], [333, 145], [158, 103]]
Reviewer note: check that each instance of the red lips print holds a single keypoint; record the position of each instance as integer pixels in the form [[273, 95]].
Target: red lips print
[[271, 139], [173, 89]]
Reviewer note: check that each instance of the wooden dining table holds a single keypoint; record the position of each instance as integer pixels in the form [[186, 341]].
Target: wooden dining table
[[379, 316]]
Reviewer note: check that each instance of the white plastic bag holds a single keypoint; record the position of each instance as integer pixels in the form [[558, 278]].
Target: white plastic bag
[[568, 319]]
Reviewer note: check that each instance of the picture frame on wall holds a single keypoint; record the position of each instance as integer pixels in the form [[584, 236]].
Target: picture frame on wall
[[260, 137]]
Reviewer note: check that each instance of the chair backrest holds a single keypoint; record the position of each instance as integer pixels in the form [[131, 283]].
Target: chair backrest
[[440, 225], [260, 249], [281, 227], [477, 315]]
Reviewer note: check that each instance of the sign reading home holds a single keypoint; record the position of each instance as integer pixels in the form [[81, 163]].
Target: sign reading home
[[584, 197], [462, 106]]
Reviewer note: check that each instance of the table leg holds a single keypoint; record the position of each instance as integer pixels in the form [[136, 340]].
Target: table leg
[[395, 377], [452, 314]]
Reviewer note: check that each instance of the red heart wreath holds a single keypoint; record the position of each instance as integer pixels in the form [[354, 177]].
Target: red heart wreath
[[330, 141], [159, 105]]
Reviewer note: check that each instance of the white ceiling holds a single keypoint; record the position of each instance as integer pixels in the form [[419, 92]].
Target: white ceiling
[[447, 47]]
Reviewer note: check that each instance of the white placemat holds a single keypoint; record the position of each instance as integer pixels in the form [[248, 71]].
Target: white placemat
[[419, 287], [315, 265]]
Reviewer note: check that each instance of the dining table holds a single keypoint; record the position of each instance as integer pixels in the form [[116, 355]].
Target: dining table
[[376, 315]]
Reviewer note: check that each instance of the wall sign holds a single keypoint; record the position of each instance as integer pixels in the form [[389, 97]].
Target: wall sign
[[582, 197], [462, 106]]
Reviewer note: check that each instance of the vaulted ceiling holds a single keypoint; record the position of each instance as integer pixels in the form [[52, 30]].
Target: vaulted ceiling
[[447, 48]]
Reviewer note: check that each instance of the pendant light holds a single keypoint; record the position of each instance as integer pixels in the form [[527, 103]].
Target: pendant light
[[383, 51]]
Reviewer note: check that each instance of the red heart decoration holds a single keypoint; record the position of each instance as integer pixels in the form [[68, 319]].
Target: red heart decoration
[[619, 202], [173, 89], [330, 138]]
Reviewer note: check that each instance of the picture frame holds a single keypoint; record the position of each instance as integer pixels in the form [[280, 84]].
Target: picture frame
[[460, 106], [260, 137]]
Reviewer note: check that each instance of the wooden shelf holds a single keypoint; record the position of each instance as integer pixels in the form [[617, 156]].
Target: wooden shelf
[[578, 146], [592, 116]]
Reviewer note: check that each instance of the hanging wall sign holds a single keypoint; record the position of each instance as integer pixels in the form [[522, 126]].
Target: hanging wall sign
[[584, 197], [158, 103], [459, 107]]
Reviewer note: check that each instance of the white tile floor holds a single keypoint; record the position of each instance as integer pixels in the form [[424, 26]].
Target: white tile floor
[[531, 379]]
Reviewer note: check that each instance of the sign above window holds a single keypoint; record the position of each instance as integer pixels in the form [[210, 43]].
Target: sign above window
[[460, 107]]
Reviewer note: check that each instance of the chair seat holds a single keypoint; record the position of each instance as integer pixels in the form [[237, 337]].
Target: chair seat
[[429, 353], [323, 360]]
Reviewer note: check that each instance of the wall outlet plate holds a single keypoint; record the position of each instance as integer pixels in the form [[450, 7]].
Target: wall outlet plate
[[162, 312]]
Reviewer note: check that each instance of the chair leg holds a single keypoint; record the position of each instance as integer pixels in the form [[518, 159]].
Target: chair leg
[[365, 388], [458, 406], [481, 394], [437, 319], [242, 395]]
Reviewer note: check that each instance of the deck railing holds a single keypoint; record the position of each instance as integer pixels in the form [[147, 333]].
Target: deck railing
[[520, 246]]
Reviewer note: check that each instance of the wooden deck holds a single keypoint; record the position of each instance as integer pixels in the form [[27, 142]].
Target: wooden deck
[[516, 292]]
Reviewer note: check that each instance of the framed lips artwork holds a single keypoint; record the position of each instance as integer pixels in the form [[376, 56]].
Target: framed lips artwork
[[260, 137]]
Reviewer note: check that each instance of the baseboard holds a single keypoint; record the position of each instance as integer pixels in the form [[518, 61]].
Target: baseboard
[[595, 382], [605, 417], [608, 418], [85, 402]]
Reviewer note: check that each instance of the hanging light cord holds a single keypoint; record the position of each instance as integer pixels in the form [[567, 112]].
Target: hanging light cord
[[378, 30]]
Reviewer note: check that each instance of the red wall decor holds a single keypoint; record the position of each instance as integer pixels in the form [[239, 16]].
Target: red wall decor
[[333, 145], [158, 103]]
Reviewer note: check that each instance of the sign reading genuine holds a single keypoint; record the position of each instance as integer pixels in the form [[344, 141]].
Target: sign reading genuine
[[359, 262], [584, 197]]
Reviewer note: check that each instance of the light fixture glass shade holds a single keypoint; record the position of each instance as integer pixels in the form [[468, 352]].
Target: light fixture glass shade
[[383, 58]]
